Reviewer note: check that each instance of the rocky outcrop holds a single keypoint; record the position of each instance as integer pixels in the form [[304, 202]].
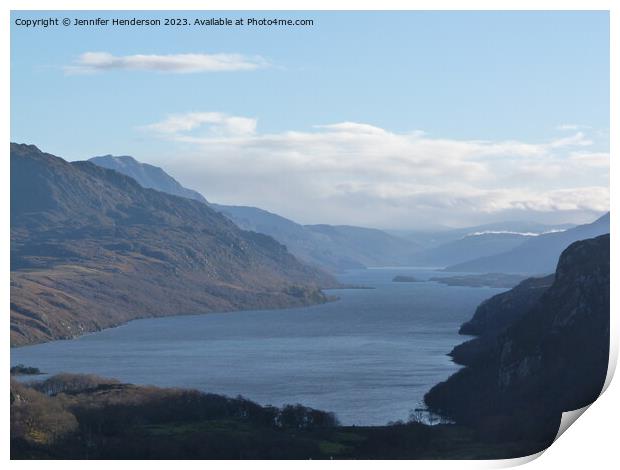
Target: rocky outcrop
[[494, 316], [561, 346], [536, 363], [500, 311]]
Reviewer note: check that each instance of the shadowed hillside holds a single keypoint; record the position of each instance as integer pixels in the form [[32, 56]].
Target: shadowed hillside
[[542, 350]]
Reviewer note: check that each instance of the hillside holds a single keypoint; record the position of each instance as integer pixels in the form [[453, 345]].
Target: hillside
[[494, 315], [310, 247], [533, 364], [369, 246], [441, 235], [148, 176], [468, 248], [334, 248], [91, 248], [538, 255]]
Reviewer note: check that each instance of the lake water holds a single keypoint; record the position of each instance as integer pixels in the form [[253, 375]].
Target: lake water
[[369, 357]]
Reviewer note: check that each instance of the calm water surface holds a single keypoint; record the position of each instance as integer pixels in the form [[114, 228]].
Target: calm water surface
[[369, 357]]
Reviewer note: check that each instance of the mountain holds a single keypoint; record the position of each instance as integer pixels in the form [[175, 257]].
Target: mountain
[[538, 255], [495, 315], [512, 226], [330, 247], [433, 238], [91, 248], [469, 248], [547, 353], [148, 176], [369, 246], [312, 248]]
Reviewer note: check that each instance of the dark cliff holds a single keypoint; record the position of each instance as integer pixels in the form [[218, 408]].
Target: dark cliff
[[529, 367], [500, 311]]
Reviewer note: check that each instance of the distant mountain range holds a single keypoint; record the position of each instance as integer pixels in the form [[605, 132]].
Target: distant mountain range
[[502, 247], [91, 248], [333, 247], [537, 255], [330, 247], [433, 238], [468, 248]]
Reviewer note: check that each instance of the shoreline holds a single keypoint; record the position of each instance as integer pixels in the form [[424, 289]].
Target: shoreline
[[328, 299]]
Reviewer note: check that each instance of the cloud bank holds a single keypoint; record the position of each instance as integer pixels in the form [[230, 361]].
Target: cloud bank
[[357, 173], [90, 62]]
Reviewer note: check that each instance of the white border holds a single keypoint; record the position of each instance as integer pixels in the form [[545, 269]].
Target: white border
[[592, 442]]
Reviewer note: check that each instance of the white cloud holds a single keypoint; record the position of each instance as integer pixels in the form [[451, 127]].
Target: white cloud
[[352, 127], [218, 124], [577, 139], [363, 174], [571, 127], [591, 159], [90, 62], [595, 199]]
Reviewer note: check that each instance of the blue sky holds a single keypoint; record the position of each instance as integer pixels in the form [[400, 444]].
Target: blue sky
[[492, 104]]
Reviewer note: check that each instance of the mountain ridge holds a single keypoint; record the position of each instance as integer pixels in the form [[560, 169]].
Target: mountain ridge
[[91, 248], [330, 247], [538, 255], [148, 176]]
